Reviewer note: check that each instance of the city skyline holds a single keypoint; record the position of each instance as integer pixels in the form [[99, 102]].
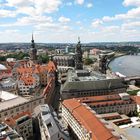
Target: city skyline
[[64, 20]]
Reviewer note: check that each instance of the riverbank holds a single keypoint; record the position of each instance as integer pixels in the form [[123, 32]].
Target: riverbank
[[114, 57], [128, 65]]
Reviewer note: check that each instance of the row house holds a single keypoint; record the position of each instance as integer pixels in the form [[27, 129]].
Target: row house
[[28, 83], [43, 71]]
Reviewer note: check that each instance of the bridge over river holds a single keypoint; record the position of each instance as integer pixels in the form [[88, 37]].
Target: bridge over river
[[131, 78], [136, 79]]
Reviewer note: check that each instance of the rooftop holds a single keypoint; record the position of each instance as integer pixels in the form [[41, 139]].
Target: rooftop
[[68, 56], [7, 82], [136, 99], [5, 96], [7, 133], [9, 100], [84, 75], [2, 67], [97, 128], [49, 120], [18, 119], [90, 81], [102, 98], [28, 80], [36, 68], [106, 100]]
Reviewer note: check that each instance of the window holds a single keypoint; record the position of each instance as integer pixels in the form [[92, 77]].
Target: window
[[12, 111], [49, 125], [22, 107], [5, 114]]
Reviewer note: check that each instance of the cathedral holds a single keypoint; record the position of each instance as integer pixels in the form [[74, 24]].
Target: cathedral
[[78, 56], [33, 50]]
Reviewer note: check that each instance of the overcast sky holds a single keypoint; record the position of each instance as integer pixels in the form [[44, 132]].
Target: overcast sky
[[65, 20]]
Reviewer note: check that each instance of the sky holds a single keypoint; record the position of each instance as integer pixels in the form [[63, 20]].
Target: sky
[[62, 21]]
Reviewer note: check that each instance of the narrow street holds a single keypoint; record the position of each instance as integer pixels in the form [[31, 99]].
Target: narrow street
[[56, 100]]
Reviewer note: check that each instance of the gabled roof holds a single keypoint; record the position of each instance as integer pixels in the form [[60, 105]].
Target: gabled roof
[[88, 120], [37, 68]]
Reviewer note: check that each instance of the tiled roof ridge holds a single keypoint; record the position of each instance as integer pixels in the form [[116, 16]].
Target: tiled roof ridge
[[76, 114]]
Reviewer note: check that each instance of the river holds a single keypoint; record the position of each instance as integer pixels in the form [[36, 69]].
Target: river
[[128, 65]]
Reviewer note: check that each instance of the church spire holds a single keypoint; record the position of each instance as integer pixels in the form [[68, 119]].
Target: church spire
[[33, 50], [79, 39], [32, 41], [32, 37]]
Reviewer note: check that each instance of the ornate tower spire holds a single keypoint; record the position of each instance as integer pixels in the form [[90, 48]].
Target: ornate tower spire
[[78, 56], [33, 50], [78, 39], [32, 37], [32, 42]]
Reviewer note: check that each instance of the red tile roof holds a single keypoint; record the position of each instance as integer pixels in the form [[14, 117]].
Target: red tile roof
[[108, 103], [50, 67], [105, 100], [28, 80], [12, 121], [99, 98], [48, 87], [136, 99], [87, 119]]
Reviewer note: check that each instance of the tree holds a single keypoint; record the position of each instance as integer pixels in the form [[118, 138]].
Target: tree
[[2, 58], [18, 56], [88, 61], [43, 58]]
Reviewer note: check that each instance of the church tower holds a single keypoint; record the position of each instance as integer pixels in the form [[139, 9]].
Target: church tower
[[78, 56], [33, 50]]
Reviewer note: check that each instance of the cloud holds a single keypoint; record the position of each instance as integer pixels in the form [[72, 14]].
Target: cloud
[[29, 20], [18, 3], [131, 25], [131, 3], [89, 5], [33, 7], [47, 6], [11, 31], [97, 23], [131, 14], [111, 29], [80, 2], [7, 13], [36, 15], [64, 19]]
